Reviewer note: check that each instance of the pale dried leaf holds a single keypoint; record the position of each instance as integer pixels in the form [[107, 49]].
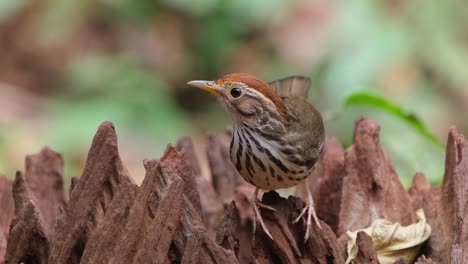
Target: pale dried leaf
[[391, 240]]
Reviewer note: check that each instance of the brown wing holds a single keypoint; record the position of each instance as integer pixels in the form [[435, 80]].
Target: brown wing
[[293, 86]]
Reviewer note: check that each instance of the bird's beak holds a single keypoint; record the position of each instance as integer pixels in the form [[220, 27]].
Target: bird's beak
[[209, 86]]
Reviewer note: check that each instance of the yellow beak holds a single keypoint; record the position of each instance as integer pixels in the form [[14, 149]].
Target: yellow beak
[[205, 85]]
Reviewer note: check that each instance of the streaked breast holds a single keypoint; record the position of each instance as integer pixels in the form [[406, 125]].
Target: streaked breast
[[266, 161]]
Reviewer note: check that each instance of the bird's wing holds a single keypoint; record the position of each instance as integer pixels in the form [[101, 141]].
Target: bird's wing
[[293, 86]]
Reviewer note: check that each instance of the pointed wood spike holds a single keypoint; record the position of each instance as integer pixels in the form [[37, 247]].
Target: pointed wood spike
[[28, 241]]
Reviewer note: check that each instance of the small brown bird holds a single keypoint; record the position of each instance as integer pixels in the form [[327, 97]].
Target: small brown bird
[[277, 135]]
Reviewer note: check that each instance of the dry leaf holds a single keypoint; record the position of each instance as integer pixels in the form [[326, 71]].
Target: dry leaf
[[393, 241]]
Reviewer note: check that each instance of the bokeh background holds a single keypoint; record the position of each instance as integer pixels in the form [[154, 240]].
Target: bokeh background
[[66, 66]]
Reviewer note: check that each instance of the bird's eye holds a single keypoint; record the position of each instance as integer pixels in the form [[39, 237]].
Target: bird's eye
[[236, 92]]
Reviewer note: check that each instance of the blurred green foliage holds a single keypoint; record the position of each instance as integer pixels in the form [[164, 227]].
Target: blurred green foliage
[[422, 154], [128, 62], [378, 102]]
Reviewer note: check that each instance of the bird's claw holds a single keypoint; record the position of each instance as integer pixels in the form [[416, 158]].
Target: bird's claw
[[260, 219], [300, 215], [256, 203], [260, 204], [310, 214], [309, 208]]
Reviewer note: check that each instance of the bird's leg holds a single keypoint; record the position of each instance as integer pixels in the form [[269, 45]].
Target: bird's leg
[[309, 208], [256, 204]]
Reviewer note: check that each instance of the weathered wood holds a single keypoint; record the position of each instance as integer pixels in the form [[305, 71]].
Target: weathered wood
[[204, 196], [189, 172], [178, 216], [423, 195], [90, 197], [7, 211], [449, 240], [235, 236], [28, 241], [371, 189], [330, 169], [154, 219], [101, 244], [44, 177], [288, 245], [423, 260], [193, 243], [283, 245], [223, 173], [366, 253]]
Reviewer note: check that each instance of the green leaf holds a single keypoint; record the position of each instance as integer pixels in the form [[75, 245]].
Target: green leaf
[[376, 101]]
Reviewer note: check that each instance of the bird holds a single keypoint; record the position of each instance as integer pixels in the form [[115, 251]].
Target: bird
[[277, 135]]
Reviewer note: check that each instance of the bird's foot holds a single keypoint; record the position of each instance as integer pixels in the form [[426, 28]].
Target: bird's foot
[[256, 205], [309, 208], [310, 214], [260, 204]]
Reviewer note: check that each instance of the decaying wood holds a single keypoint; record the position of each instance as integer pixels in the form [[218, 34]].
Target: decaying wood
[[449, 240], [7, 211], [44, 177], [423, 195], [111, 227], [224, 175], [28, 241], [200, 190], [179, 216], [288, 245], [366, 253], [232, 235], [423, 260], [371, 189], [90, 197], [192, 244], [156, 211], [331, 174]]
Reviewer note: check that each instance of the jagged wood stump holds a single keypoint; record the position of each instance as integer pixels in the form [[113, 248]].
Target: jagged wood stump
[[178, 216]]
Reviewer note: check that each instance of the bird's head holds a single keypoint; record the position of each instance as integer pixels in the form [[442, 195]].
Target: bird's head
[[246, 98]]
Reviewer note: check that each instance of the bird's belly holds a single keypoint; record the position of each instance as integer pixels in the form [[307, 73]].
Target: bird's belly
[[269, 176], [266, 181], [265, 163]]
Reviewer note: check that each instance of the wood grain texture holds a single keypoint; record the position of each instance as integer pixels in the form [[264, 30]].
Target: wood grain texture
[[179, 216]]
